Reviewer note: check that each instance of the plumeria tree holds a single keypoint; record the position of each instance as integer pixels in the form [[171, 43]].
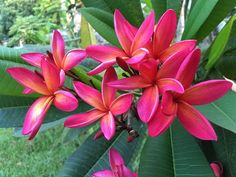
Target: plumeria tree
[[151, 105]]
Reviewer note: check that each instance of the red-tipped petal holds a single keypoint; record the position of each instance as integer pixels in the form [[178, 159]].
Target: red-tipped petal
[[35, 115], [33, 58], [108, 126], [144, 32], [65, 101], [51, 75], [29, 79], [104, 53], [108, 92], [115, 159], [89, 95], [58, 48], [73, 58], [159, 123], [121, 104], [165, 32], [185, 47], [101, 67], [122, 32], [169, 84], [206, 92], [137, 56], [195, 123], [148, 70], [83, 119], [103, 173], [148, 103], [189, 68], [130, 83]]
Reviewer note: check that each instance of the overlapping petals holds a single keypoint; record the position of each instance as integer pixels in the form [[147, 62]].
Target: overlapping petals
[[118, 168], [106, 105]]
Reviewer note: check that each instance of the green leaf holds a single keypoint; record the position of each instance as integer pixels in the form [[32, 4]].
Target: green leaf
[[100, 4], [219, 12], [197, 16], [92, 155], [227, 65], [222, 112], [219, 43], [87, 34], [14, 108], [225, 149], [160, 6], [173, 154]]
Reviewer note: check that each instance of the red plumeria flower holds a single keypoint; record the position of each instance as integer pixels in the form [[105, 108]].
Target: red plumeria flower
[[154, 82], [181, 104], [118, 168], [61, 60], [106, 105], [49, 86], [131, 39], [217, 169]]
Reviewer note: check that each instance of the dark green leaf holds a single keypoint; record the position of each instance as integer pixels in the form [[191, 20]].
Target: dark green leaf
[[222, 112], [102, 22], [197, 16], [220, 11], [100, 4], [227, 65], [173, 154]]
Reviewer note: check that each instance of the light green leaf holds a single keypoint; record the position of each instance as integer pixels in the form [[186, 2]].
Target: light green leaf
[[222, 112], [87, 34], [219, 43], [102, 22], [197, 16], [173, 154]]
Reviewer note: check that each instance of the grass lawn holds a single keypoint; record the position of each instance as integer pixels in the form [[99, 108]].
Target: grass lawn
[[42, 157]]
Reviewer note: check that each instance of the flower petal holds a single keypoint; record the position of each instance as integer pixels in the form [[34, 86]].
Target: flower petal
[[33, 58], [35, 115], [65, 101], [121, 104], [29, 79], [127, 173], [27, 91], [144, 32], [83, 119], [189, 68], [195, 123], [73, 58], [185, 47], [115, 159], [165, 32], [108, 92], [58, 48], [137, 56], [130, 83], [51, 75], [206, 92], [103, 173], [159, 123], [217, 169], [122, 32], [104, 53], [168, 106], [148, 70], [148, 103], [101, 67], [108, 126], [89, 95], [169, 84]]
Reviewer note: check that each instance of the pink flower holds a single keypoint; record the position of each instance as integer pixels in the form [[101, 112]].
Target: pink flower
[[181, 104], [106, 106], [118, 168], [154, 82], [48, 85], [217, 169], [132, 40], [61, 60]]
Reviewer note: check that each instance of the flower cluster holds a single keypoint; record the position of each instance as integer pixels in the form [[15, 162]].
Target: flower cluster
[[157, 83]]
